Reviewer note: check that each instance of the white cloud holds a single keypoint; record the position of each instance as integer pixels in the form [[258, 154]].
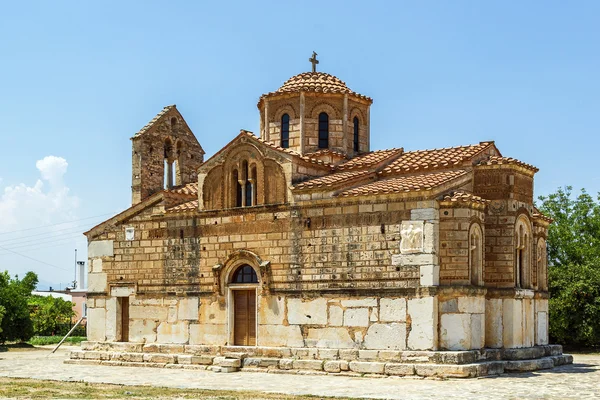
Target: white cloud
[[46, 202]]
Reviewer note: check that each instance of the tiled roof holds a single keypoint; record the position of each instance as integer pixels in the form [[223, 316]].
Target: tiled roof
[[188, 206], [330, 180], [318, 82], [325, 152], [462, 196], [538, 214], [189, 189], [495, 160], [405, 183], [369, 160], [153, 120], [426, 160]]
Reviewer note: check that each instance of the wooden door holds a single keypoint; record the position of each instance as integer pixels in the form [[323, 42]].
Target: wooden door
[[124, 319], [244, 325]]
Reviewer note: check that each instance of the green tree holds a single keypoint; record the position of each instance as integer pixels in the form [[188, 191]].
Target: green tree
[[14, 293], [574, 266], [2, 312], [49, 315]]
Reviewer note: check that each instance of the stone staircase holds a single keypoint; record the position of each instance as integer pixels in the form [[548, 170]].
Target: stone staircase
[[349, 362]]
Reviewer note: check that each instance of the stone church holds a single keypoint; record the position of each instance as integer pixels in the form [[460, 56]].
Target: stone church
[[301, 248]]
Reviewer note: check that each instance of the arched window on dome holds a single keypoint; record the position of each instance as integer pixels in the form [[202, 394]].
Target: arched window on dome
[[355, 133], [323, 130], [285, 131]]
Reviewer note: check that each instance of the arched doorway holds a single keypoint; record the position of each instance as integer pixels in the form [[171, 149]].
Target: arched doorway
[[243, 284]]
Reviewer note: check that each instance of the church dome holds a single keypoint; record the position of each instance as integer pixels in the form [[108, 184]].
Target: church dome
[[315, 82]]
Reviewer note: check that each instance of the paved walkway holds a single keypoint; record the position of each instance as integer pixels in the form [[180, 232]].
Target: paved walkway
[[578, 381]]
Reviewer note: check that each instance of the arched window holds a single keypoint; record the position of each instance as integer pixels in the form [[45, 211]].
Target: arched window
[[168, 164], [323, 130], [254, 182], [244, 274], [237, 188], [542, 265], [285, 131], [355, 133], [173, 122], [522, 249], [476, 255]]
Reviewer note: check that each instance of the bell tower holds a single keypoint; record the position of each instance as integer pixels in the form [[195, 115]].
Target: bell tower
[[165, 154], [315, 111]]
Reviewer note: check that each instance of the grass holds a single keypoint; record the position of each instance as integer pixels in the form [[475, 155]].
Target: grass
[[45, 340], [36, 389]]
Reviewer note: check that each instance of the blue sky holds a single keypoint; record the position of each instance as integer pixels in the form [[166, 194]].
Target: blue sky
[[78, 79]]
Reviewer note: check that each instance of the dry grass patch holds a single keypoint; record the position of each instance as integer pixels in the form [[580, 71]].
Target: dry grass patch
[[37, 389]]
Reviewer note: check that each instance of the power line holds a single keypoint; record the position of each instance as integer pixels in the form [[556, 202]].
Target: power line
[[60, 223], [41, 239], [13, 246], [28, 248], [76, 228], [33, 259]]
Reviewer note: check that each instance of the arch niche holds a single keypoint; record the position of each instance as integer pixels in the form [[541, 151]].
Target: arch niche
[[242, 285]]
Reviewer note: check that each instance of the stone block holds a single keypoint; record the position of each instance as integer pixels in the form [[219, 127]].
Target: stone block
[[368, 355], [280, 336], [97, 282], [386, 336], [431, 234], [429, 275], [313, 312], [424, 327], [142, 330], [348, 354], [336, 316], [477, 331], [542, 328], [208, 334], [399, 369], [188, 309], [356, 317], [122, 291], [493, 323], [96, 325], [227, 362], [113, 319], [528, 365], [156, 313], [430, 214], [316, 365], [271, 310], [392, 310], [368, 302], [214, 313], [96, 266], [286, 364], [449, 306], [512, 322], [329, 354], [472, 305], [455, 331], [414, 259], [328, 337], [332, 366], [100, 248], [160, 358], [173, 333], [367, 367]]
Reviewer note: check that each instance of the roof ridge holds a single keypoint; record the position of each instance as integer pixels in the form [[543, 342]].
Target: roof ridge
[[149, 125]]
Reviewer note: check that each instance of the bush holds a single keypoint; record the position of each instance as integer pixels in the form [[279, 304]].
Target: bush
[[573, 267], [16, 324], [50, 315]]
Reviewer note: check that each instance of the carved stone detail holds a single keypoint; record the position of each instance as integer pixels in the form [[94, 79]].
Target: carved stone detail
[[412, 237]]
